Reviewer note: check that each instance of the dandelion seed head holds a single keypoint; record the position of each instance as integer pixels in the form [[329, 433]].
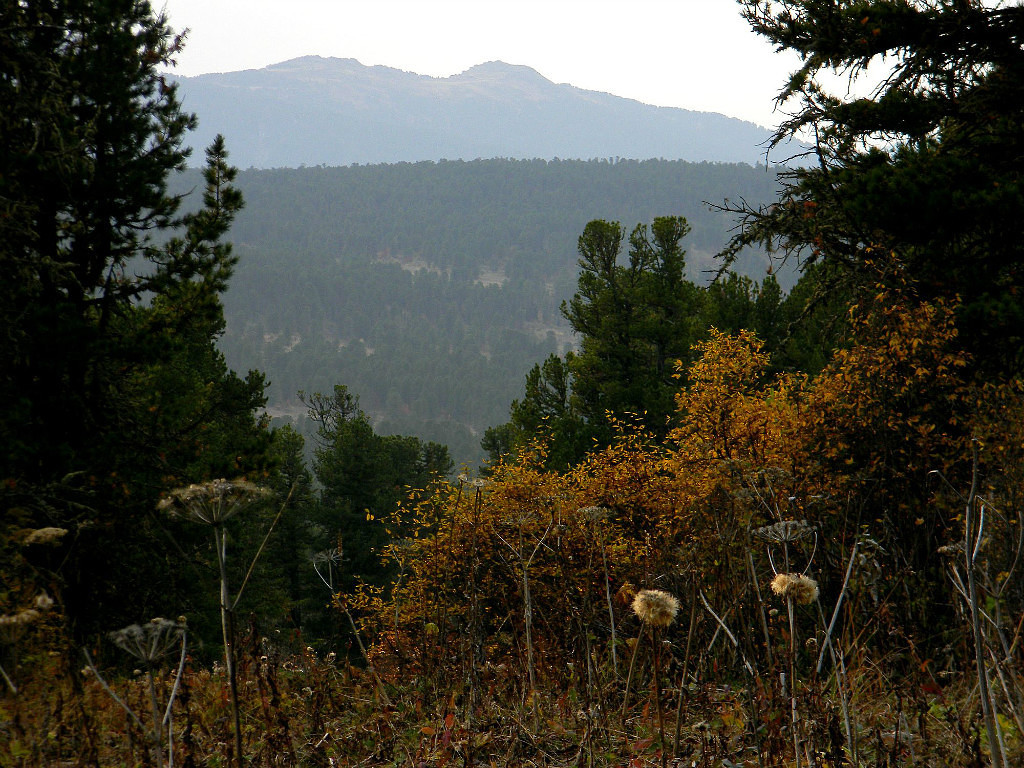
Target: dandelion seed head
[[44, 602], [801, 589], [655, 607]]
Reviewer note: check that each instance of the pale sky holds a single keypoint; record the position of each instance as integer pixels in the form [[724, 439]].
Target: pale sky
[[694, 54]]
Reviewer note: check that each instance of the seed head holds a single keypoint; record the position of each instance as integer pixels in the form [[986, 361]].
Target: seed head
[[149, 641], [46, 536], [595, 514], [13, 625], [801, 589], [655, 607], [784, 532], [213, 503]]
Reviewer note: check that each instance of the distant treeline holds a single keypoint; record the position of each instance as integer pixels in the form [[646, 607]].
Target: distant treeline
[[430, 289]]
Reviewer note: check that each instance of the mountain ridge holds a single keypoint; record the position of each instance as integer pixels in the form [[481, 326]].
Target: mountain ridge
[[313, 110]]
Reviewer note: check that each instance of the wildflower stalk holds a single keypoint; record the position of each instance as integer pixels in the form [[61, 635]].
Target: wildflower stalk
[[213, 504], [657, 610], [148, 643], [329, 557], [794, 720], [683, 676], [837, 657], [524, 568], [972, 542], [629, 675], [596, 514], [227, 623], [117, 699]]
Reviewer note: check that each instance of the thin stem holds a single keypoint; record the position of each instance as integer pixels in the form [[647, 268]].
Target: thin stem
[[107, 688], [683, 675], [656, 690], [792, 681], [10, 683], [746, 664], [611, 609], [228, 629], [970, 551], [629, 676], [835, 613], [158, 729], [170, 703], [362, 649], [252, 565]]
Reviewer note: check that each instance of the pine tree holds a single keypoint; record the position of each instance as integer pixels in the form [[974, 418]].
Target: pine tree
[[111, 389], [635, 320], [921, 178]]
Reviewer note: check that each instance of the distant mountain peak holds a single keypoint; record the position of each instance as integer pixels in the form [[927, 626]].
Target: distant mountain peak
[[502, 69], [313, 110]]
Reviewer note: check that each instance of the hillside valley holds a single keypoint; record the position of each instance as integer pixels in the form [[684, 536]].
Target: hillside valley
[[430, 289]]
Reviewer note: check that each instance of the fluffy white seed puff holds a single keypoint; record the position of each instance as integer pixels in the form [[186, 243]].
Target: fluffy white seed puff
[[655, 607], [803, 590]]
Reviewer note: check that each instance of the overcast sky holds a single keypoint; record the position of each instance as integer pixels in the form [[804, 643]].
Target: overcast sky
[[695, 54]]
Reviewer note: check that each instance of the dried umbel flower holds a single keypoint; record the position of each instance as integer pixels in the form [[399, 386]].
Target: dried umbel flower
[[213, 503], [801, 589], [595, 514], [46, 537], [785, 532], [13, 625], [149, 641], [655, 607], [951, 550], [325, 556]]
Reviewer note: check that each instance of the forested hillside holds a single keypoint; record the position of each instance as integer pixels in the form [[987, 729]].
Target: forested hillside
[[430, 289]]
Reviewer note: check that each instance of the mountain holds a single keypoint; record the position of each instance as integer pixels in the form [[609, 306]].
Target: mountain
[[313, 111]]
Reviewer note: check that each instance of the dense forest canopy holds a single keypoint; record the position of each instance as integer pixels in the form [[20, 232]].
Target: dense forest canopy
[[430, 289]]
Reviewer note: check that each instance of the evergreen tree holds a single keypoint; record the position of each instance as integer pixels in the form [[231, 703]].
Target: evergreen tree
[[635, 320], [110, 387], [921, 179], [363, 476]]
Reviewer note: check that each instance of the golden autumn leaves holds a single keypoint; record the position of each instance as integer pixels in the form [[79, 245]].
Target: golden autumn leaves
[[751, 450]]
